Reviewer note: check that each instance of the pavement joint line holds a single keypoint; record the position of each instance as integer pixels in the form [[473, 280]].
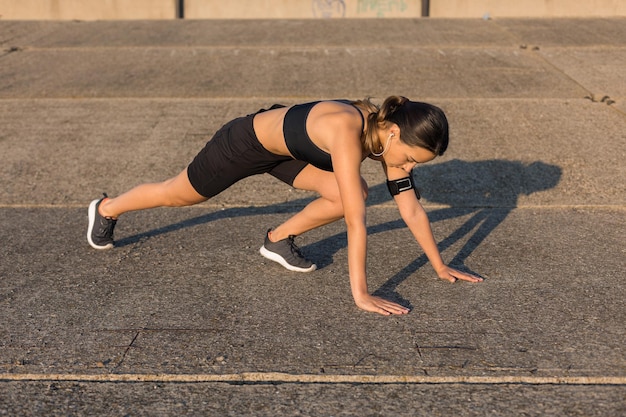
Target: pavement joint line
[[304, 48], [390, 205], [257, 99], [278, 99], [278, 378]]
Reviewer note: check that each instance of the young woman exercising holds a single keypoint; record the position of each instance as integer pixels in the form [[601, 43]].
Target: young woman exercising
[[317, 146]]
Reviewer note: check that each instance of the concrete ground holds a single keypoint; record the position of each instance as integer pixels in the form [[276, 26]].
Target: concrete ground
[[184, 317]]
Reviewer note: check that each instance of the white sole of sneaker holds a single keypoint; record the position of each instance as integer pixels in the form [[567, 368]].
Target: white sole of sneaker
[[279, 259], [92, 221]]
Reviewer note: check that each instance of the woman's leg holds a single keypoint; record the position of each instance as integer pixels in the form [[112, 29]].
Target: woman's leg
[[103, 213], [174, 192], [324, 210]]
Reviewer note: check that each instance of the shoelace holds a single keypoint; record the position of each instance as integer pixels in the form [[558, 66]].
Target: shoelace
[[107, 227], [294, 248]]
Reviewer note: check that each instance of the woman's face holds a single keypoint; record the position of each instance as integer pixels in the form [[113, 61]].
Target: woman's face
[[403, 156]]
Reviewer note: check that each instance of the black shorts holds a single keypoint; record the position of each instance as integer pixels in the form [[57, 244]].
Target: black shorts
[[235, 153]]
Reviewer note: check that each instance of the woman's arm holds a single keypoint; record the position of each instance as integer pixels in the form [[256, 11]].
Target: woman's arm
[[417, 221], [346, 156]]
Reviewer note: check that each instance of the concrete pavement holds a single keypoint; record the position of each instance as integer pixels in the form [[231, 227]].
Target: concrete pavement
[[184, 317]]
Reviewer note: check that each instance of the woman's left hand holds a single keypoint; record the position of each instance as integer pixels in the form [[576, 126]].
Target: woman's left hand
[[452, 275]]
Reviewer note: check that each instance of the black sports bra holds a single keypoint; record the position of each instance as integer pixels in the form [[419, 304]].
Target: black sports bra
[[297, 138]]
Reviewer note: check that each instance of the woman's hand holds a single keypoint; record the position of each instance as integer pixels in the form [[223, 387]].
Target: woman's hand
[[452, 275], [380, 305]]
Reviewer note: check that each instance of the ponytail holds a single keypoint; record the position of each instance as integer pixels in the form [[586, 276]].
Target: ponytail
[[421, 124]]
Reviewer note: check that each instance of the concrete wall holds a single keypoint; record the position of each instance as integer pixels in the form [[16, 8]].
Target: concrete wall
[[527, 8], [87, 9], [301, 9]]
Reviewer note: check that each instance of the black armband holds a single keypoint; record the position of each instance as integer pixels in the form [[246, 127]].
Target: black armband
[[403, 184]]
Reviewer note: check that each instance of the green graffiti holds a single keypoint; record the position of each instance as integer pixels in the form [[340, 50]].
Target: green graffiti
[[380, 7]]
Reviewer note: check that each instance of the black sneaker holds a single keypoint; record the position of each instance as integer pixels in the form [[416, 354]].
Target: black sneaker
[[100, 231], [286, 253]]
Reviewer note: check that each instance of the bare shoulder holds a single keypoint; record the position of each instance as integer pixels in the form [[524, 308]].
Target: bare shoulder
[[329, 119], [343, 112]]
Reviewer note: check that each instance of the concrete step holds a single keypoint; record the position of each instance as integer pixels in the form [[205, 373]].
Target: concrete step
[[503, 153]]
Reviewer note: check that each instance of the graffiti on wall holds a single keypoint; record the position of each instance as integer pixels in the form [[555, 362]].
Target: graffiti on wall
[[380, 7], [329, 8]]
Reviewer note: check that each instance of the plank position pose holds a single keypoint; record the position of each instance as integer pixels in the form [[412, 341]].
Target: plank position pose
[[317, 146]]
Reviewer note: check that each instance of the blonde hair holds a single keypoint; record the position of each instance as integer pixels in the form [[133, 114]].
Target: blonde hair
[[421, 124]]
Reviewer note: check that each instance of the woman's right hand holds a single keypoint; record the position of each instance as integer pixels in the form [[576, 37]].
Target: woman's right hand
[[379, 305]]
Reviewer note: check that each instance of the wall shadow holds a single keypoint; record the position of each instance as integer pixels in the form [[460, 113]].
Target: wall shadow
[[486, 191]]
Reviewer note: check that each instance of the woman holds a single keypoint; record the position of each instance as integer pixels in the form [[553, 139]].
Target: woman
[[316, 146]]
